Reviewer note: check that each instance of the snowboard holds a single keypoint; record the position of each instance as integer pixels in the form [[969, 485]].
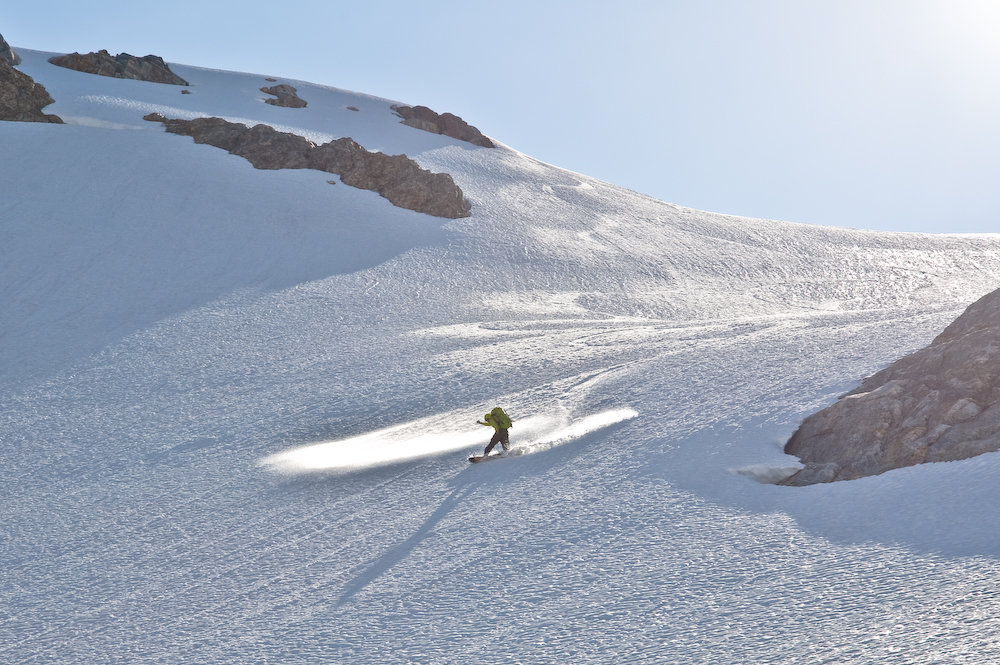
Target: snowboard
[[476, 459]]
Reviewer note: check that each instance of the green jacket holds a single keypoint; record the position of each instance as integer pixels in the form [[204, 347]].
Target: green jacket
[[496, 420]]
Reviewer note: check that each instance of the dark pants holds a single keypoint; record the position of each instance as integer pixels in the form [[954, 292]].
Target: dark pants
[[500, 437]]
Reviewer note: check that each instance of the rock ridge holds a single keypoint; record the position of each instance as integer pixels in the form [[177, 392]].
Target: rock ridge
[[7, 53], [397, 178], [149, 68], [447, 124], [939, 404], [21, 99]]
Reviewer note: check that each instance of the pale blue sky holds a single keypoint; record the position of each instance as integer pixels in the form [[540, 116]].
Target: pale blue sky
[[876, 114]]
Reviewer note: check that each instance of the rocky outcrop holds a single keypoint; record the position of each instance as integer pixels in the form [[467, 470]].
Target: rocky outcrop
[[447, 124], [939, 404], [22, 99], [150, 68], [396, 177], [286, 95], [7, 53]]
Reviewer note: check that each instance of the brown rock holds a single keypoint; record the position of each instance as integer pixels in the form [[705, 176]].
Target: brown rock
[[395, 177], [261, 145], [447, 124], [7, 53], [286, 96], [21, 99], [150, 68], [939, 404]]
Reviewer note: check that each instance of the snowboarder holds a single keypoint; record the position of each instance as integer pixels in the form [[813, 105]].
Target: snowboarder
[[501, 422]]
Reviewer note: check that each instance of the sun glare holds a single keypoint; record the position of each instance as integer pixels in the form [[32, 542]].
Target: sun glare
[[969, 29]]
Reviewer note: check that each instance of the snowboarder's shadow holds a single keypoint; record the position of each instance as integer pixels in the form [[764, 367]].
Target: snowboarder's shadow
[[464, 489]]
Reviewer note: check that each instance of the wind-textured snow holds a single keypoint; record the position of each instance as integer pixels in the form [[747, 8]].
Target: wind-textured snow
[[237, 405]]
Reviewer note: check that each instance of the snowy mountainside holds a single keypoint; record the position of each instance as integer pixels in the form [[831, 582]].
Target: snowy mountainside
[[217, 378]]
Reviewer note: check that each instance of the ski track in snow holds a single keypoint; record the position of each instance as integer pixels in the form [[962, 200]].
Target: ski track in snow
[[237, 406], [433, 436]]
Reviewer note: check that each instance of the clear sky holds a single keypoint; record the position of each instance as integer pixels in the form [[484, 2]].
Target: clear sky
[[875, 114]]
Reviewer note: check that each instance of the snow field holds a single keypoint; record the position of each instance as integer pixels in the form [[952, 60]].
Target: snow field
[[174, 318]]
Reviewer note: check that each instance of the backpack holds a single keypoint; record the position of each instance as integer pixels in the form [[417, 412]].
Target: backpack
[[501, 418]]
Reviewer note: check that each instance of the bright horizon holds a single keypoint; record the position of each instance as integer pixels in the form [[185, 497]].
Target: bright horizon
[[874, 115]]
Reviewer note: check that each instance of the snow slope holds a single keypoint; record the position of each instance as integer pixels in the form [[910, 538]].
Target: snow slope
[[237, 406]]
